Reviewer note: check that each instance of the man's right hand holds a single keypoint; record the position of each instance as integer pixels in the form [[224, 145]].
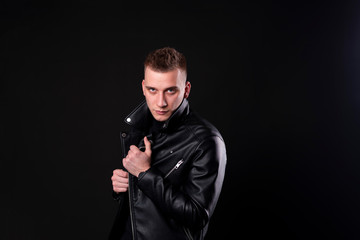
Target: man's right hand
[[120, 180]]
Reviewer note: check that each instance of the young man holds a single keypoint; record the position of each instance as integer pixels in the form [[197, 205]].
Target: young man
[[174, 161]]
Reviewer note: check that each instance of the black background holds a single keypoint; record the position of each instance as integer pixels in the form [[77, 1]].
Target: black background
[[280, 80]]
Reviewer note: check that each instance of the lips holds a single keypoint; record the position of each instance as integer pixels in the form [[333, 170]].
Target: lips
[[159, 112]]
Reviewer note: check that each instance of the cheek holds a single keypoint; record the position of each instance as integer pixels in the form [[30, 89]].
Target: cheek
[[148, 100], [176, 101]]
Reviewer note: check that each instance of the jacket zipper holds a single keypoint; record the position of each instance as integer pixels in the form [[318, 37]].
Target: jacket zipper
[[131, 211], [174, 168], [123, 135]]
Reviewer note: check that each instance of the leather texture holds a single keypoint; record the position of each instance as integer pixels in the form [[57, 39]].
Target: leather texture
[[176, 197]]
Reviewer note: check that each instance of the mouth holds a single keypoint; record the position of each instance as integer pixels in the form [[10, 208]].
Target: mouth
[[161, 112]]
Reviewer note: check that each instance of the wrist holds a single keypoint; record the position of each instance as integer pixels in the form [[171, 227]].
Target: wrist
[[140, 174]]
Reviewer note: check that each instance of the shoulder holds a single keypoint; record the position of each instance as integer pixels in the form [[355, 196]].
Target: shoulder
[[201, 128], [208, 143]]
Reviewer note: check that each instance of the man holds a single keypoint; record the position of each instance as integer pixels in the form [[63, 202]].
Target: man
[[174, 161]]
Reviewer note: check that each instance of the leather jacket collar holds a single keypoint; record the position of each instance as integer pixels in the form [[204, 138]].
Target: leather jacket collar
[[140, 116]]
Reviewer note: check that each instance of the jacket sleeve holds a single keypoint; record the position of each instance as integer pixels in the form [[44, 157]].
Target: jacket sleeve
[[194, 202], [118, 196]]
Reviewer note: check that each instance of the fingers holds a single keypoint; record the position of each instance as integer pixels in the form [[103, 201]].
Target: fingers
[[147, 146], [134, 152], [121, 173], [137, 161], [134, 148], [120, 189], [120, 181], [127, 163]]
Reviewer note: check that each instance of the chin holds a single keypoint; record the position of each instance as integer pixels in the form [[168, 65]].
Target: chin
[[161, 118]]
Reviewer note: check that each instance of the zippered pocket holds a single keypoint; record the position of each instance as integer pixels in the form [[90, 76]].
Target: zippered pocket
[[178, 164]]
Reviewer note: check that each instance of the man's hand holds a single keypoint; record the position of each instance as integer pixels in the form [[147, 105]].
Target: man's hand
[[120, 180], [137, 161]]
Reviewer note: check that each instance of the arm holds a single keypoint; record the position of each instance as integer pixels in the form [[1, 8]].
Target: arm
[[193, 203]]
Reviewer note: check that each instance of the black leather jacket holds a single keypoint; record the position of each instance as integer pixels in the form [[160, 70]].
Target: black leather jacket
[[176, 197]]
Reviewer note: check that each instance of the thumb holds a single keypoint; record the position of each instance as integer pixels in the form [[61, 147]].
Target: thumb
[[147, 146]]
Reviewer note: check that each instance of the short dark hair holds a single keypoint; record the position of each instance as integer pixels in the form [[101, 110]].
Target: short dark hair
[[165, 59]]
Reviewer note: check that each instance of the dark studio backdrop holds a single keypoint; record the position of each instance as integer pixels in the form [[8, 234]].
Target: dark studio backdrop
[[280, 80]]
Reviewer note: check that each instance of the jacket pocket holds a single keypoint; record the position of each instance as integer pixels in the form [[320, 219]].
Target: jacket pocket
[[178, 164]]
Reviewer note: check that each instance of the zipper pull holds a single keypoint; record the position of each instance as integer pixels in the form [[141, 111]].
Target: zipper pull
[[174, 168], [178, 164]]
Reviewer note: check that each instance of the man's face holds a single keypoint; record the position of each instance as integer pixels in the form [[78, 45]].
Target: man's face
[[164, 91]]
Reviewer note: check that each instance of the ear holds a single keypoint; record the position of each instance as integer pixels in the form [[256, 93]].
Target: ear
[[187, 89], [143, 86]]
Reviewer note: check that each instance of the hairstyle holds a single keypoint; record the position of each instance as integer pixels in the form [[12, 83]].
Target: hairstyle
[[165, 59]]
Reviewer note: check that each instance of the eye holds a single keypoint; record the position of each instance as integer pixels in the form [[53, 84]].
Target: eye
[[152, 90], [171, 91]]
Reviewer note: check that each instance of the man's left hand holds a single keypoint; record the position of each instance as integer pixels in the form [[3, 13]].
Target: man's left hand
[[137, 161]]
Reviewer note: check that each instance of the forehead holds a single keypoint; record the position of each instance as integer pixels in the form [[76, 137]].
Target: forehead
[[172, 78]]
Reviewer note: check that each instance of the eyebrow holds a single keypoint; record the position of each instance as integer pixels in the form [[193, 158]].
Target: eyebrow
[[169, 88]]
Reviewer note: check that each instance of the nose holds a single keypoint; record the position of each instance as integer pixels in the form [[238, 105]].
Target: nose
[[161, 101]]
